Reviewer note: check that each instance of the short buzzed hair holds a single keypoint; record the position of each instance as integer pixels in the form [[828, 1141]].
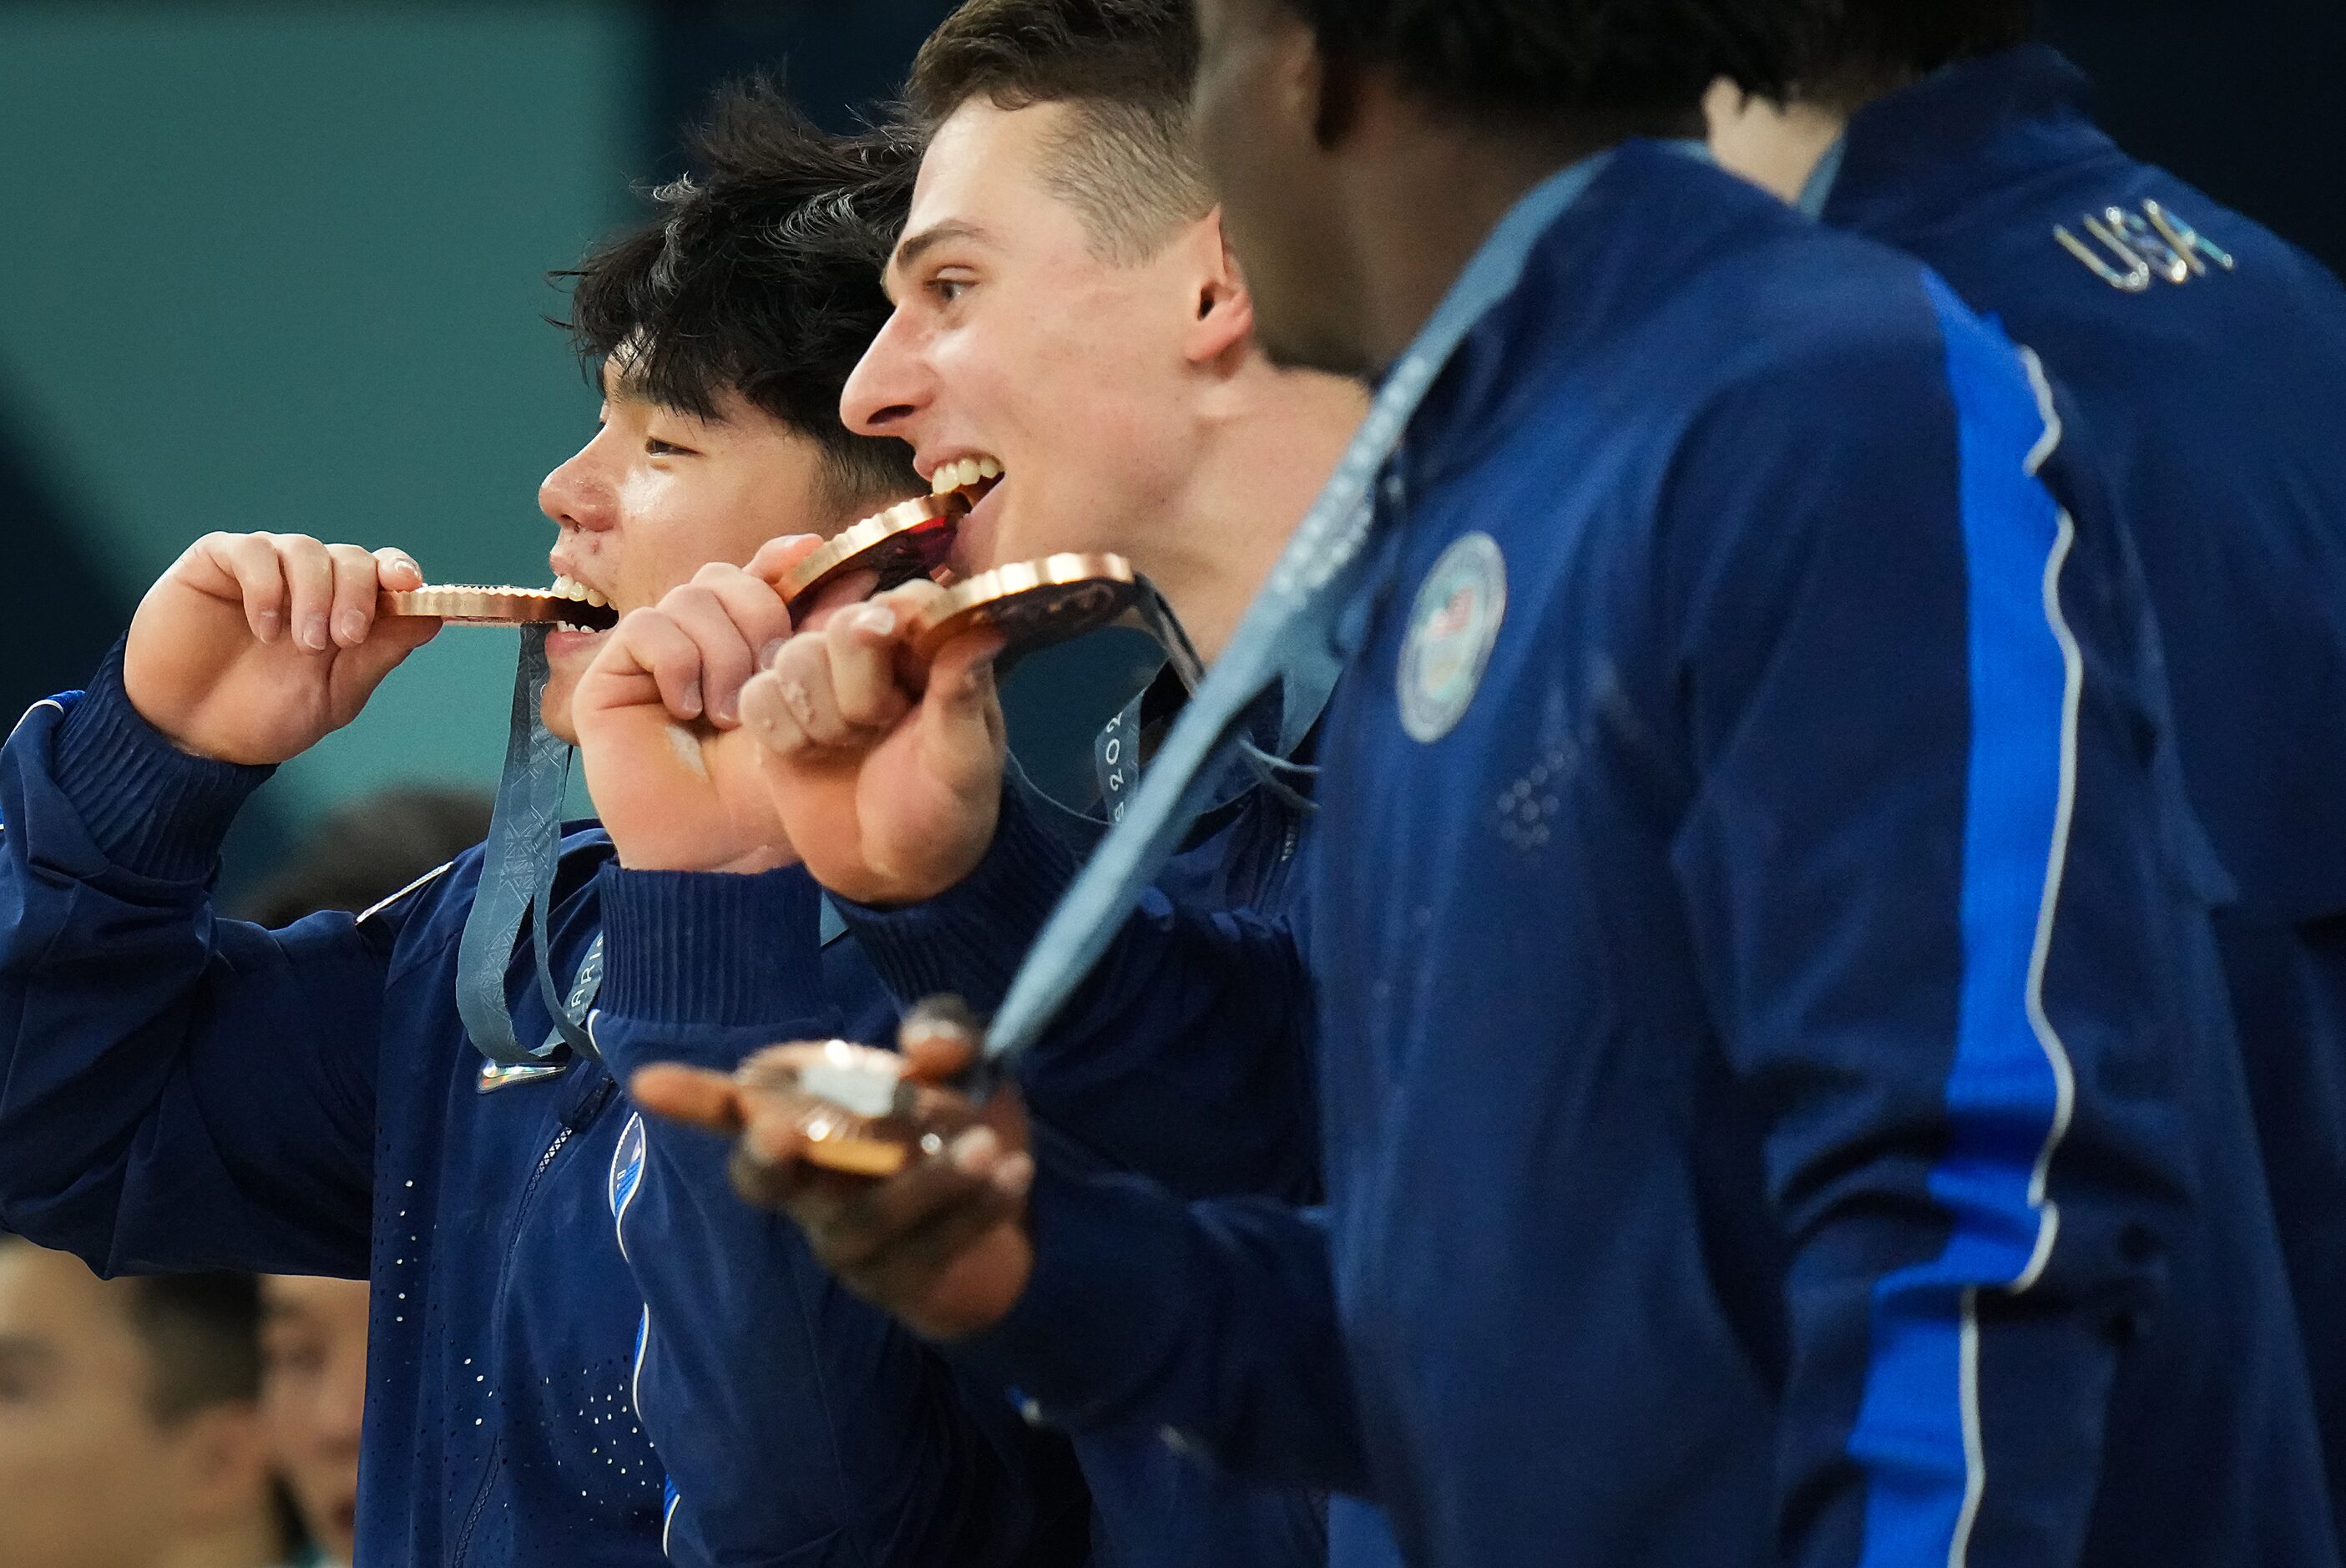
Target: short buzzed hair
[[200, 1334], [1619, 66], [202, 1337], [1123, 67], [1863, 48]]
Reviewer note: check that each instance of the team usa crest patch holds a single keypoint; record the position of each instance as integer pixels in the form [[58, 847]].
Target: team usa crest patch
[[1451, 627]]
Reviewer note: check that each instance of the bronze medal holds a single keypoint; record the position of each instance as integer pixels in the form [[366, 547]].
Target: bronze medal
[[502, 607], [1032, 604], [906, 541], [858, 1116]]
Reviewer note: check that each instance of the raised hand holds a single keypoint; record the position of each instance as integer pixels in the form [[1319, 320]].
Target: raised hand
[[941, 1246], [255, 646], [885, 770], [674, 776]]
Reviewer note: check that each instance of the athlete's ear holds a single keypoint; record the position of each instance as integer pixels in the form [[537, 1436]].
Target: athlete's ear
[[1224, 323]]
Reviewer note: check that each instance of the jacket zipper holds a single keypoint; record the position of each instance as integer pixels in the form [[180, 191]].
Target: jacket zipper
[[572, 1121]]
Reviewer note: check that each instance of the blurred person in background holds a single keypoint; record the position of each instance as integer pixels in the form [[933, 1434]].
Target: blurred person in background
[[130, 1432], [362, 853], [2208, 359], [313, 1329], [313, 1347]]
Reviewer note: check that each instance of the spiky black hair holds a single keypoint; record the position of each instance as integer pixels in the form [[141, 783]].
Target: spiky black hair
[[760, 274]]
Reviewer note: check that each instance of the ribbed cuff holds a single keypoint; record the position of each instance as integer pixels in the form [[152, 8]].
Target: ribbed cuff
[[149, 806], [970, 939], [1097, 1308], [711, 949]]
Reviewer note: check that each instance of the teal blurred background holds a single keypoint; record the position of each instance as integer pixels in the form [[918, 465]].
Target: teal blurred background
[[273, 268], [284, 265]]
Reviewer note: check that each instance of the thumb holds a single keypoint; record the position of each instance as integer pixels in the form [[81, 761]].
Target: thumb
[[696, 1095], [938, 1040], [964, 707], [775, 557]]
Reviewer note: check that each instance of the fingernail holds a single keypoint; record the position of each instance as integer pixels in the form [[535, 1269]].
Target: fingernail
[[726, 710], [973, 1150], [313, 634], [799, 700], [1015, 1175], [692, 696], [353, 627], [271, 623], [877, 619], [772, 650]]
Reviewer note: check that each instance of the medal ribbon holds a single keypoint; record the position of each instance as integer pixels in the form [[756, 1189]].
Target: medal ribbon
[[518, 876], [1289, 622]]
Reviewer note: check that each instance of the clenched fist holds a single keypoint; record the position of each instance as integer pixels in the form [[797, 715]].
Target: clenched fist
[[674, 776], [885, 768]]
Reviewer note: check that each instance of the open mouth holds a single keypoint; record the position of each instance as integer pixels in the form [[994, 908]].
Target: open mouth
[[968, 481], [569, 587]]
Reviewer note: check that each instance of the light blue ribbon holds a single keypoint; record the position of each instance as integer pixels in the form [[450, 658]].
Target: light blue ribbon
[[1287, 627], [518, 876]]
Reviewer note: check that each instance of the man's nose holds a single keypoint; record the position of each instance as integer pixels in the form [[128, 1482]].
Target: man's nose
[[575, 494], [889, 388]]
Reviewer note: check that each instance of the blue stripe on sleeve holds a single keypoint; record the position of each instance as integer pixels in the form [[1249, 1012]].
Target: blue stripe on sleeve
[[2008, 1090]]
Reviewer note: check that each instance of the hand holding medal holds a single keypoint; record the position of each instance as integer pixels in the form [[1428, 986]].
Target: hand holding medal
[[912, 1193]]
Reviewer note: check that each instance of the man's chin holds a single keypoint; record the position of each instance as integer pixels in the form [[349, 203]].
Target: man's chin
[[554, 706]]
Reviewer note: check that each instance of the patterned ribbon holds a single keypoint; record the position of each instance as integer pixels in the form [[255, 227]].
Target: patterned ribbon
[[518, 877]]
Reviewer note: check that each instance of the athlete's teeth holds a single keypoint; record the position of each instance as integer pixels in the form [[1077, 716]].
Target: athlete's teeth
[[962, 474], [597, 600]]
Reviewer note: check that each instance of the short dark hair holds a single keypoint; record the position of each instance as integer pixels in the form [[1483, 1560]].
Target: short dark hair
[[1123, 67], [362, 853], [1862, 48], [759, 275], [202, 1337], [1623, 66]]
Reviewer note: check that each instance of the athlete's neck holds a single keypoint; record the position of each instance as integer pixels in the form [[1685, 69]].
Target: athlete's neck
[[1776, 146], [1269, 438]]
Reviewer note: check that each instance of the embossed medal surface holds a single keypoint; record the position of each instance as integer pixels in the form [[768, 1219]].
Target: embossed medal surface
[[908, 540], [1032, 604], [469, 604]]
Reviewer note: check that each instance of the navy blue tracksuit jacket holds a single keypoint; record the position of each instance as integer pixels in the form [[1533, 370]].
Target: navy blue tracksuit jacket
[[585, 1350], [1198, 1114], [2213, 382], [1777, 1093]]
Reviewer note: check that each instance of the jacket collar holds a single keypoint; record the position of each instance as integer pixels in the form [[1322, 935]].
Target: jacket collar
[[1651, 217], [1948, 120]]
